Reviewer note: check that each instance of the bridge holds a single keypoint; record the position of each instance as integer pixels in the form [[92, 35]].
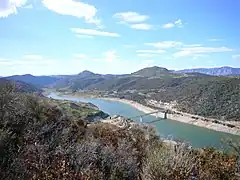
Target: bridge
[[151, 113]]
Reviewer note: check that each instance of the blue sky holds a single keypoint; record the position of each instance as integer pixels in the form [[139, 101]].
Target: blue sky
[[44, 37]]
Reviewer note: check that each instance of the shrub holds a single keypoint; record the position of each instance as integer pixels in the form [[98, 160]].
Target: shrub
[[39, 141], [169, 162]]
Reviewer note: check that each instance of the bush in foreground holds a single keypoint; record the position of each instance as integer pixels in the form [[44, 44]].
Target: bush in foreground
[[38, 141]]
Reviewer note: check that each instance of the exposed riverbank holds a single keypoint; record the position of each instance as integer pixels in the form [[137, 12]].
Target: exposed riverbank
[[181, 117]]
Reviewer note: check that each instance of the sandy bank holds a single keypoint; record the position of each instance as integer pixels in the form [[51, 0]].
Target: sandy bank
[[184, 117]]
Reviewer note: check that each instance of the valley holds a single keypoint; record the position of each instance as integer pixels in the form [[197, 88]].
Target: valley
[[200, 99], [79, 119], [119, 90]]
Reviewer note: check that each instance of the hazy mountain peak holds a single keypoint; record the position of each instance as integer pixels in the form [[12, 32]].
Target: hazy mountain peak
[[227, 67], [218, 71], [25, 75], [86, 73]]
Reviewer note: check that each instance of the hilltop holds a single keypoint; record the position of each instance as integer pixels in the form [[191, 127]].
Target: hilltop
[[194, 93], [69, 80], [152, 72]]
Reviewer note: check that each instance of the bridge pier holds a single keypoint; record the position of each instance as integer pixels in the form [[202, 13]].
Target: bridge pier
[[165, 114]]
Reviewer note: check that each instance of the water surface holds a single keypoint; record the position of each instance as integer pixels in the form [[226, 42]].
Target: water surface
[[196, 136]]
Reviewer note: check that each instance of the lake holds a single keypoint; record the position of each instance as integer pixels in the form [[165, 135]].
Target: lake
[[194, 135]]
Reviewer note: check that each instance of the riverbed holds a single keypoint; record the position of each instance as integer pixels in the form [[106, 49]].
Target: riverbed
[[194, 135]]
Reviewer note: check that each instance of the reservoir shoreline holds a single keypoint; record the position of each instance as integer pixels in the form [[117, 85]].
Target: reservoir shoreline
[[184, 118], [181, 117]]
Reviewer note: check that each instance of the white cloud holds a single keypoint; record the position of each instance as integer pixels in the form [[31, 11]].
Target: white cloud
[[134, 20], [165, 44], [93, 32], [141, 26], [26, 62], [4, 61], [74, 8], [8, 7], [177, 23], [84, 36], [131, 17], [196, 56], [151, 51], [168, 25], [37, 67], [110, 56], [194, 50], [32, 57], [236, 56], [80, 56], [200, 50]]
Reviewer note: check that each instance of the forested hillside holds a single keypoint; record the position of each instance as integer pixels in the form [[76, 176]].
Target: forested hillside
[[194, 93], [47, 139]]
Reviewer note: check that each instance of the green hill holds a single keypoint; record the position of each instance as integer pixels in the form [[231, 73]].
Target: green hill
[[48, 139], [211, 97], [194, 93]]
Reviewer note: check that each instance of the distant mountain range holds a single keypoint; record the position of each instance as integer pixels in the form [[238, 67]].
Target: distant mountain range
[[211, 92], [20, 86], [38, 81], [87, 78], [195, 93], [221, 71]]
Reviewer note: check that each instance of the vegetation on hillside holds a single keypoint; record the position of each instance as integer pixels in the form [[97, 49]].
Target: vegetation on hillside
[[195, 93], [38, 81], [78, 110], [19, 86], [39, 139], [216, 97]]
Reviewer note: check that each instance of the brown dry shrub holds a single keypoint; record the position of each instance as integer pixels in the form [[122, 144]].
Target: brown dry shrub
[[180, 162], [169, 162], [213, 164]]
